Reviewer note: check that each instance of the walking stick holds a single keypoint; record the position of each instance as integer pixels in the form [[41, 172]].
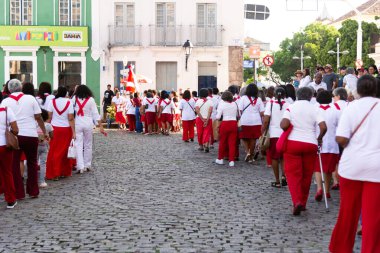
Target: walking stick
[[323, 178]]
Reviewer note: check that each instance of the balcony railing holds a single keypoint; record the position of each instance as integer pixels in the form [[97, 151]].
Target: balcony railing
[[207, 36], [166, 35], [125, 35]]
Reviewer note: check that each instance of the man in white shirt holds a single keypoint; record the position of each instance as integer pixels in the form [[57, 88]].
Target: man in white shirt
[[318, 84], [350, 81]]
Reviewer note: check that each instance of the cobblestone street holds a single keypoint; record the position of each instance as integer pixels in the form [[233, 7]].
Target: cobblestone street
[[158, 194]]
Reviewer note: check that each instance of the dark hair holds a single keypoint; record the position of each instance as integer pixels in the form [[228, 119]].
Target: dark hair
[[375, 67], [290, 91], [194, 93], [227, 96], [305, 93], [135, 95], [154, 92], [186, 94], [203, 93], [215, 91], [44, 88], [209, 91], [367, 86], [44, 115], [164, 95], [61, 92], [83, 92], [28, 89], [233, 89], [324, 97], [270, 92], [6, 89], [174, 93], [149, 95], [251, 90], [307, 72], [175, 99], [280, 94]]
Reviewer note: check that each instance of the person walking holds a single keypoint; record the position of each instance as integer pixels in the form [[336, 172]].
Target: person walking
[[61, 117], [119, 103], [166, 112], [228, 113], [137, 104], [44, 95], [359, 172], [203, 109], [107, 100], [150, 109], [302, 146], [131, 111], [27, 112], [186, 107]]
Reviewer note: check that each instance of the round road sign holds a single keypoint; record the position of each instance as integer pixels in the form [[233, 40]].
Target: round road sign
[[268, 60]]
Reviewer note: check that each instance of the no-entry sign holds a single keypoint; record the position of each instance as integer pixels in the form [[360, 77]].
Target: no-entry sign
[[268, 60]]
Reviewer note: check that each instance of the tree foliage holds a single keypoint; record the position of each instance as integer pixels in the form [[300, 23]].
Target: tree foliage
[[317, 39]]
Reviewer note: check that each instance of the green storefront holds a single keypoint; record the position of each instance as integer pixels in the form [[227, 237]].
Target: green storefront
[[48, 41]]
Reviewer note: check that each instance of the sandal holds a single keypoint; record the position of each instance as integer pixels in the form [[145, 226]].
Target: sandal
[[283, 181], [276, 184]]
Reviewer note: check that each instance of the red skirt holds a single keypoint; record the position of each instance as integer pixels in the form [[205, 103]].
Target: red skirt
[[167, 117], [273, 153], [250, 132], [150, 117], [329, 163], [58, 165], [119, 118], [177, 117]]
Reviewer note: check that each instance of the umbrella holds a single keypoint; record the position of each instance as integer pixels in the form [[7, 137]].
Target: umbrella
[[143, 79]]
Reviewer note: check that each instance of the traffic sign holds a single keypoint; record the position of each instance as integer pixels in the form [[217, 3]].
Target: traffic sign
[[254, 52], [268, 60], [359, 63]]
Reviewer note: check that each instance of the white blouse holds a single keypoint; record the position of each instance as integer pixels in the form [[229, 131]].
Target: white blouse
[[229, 111]]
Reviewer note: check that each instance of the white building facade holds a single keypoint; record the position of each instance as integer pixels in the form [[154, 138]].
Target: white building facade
[[149, 34]]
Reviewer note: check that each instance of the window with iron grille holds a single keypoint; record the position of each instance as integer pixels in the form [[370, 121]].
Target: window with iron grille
[[21, 12], [70, 12]]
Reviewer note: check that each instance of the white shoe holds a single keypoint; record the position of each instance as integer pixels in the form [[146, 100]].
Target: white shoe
[[220, 162], [232, 164], [43, 185]]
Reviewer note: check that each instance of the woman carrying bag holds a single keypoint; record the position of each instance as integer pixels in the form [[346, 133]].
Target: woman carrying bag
[[61, 117]]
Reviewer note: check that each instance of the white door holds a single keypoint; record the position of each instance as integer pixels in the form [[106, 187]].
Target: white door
[[166, 76]]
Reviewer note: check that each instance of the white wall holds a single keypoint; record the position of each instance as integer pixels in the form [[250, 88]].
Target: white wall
[[230, 14]]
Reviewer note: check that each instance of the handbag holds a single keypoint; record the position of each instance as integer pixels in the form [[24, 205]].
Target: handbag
[[265, 138], [283, 140], [11, 139], [72, 152]]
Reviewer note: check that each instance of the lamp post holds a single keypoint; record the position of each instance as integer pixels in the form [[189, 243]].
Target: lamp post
[[301, 58], [338, 53], [188, 47]]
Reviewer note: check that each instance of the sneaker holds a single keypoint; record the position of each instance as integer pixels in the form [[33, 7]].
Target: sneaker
[[319, 195], [220, 162], [232, 164], [11, 205], [43, 185]]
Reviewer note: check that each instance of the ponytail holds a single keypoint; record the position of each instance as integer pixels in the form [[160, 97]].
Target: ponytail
[[280, 94], [279, 97]]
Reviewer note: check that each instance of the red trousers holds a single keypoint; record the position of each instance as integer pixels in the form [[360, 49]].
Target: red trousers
[[299, 161], [28, 145], [228, 133], [131, 122], [204, 132], [58, 165], [357, 197], [6, 177], [188, 129]]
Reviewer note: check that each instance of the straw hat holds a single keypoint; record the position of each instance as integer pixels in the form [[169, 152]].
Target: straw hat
[[298, 72]]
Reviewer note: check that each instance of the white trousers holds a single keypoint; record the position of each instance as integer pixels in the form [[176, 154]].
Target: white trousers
[[83, 144]]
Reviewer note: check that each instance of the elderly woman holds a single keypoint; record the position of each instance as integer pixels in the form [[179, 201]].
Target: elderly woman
[[302, 146], [27, 112], [359, 181], [61, 117], [7, 118], [228, 113]]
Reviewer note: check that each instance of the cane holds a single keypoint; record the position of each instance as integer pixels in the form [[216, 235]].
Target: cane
[[323, 178]]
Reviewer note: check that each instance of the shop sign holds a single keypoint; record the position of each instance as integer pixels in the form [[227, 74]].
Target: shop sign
[[64, 36]]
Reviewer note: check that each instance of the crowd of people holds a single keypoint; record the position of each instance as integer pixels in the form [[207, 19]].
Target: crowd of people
[[315, 126]]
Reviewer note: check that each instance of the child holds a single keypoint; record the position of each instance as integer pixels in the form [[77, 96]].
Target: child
[[177, 116], [43, 147]]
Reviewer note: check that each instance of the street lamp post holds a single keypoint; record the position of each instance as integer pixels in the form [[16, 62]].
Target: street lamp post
[[188, 46], [302, 57], [338, 53]]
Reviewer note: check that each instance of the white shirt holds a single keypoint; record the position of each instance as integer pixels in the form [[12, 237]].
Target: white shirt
[[167, 106], [304, 117], [215, 100], [351, 82], [24, 110], [361, 159], [276, 114], [11, 118], [176, 108], [187, 107], [131, 110], [63, 119], [289, 101], [305, 82], [250, 111], [330, 115], [47, 101], [316, 87], [90, 111], [204, 106], [119, 102], [229, 111], [151, 102]]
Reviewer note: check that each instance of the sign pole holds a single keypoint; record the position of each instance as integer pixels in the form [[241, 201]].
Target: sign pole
[[255, 70]]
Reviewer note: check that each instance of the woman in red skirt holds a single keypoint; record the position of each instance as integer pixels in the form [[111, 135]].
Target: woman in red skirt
[[61, 116], [187, 107], [251, 111], [149, 106], [203, 108], [131, 111], [166, 112], [119, 103]]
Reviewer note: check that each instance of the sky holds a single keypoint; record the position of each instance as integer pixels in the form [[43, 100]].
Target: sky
[[283, 22]]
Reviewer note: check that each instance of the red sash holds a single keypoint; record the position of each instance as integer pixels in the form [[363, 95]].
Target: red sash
[[195, 99], [56, 108], [2, 109], [150, 102], [17, 98], [81, 106], [253, 102], [238, 97], [324, 107], [337, 106], [165, 102]]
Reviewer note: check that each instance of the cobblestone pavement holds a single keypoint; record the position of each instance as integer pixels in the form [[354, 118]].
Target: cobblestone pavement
[[158, 194]]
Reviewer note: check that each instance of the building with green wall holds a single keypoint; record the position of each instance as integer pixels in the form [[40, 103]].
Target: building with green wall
[[48, 41]]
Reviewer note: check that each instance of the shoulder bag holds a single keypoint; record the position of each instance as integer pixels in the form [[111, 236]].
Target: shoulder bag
[[265, 138], [11, 139]]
